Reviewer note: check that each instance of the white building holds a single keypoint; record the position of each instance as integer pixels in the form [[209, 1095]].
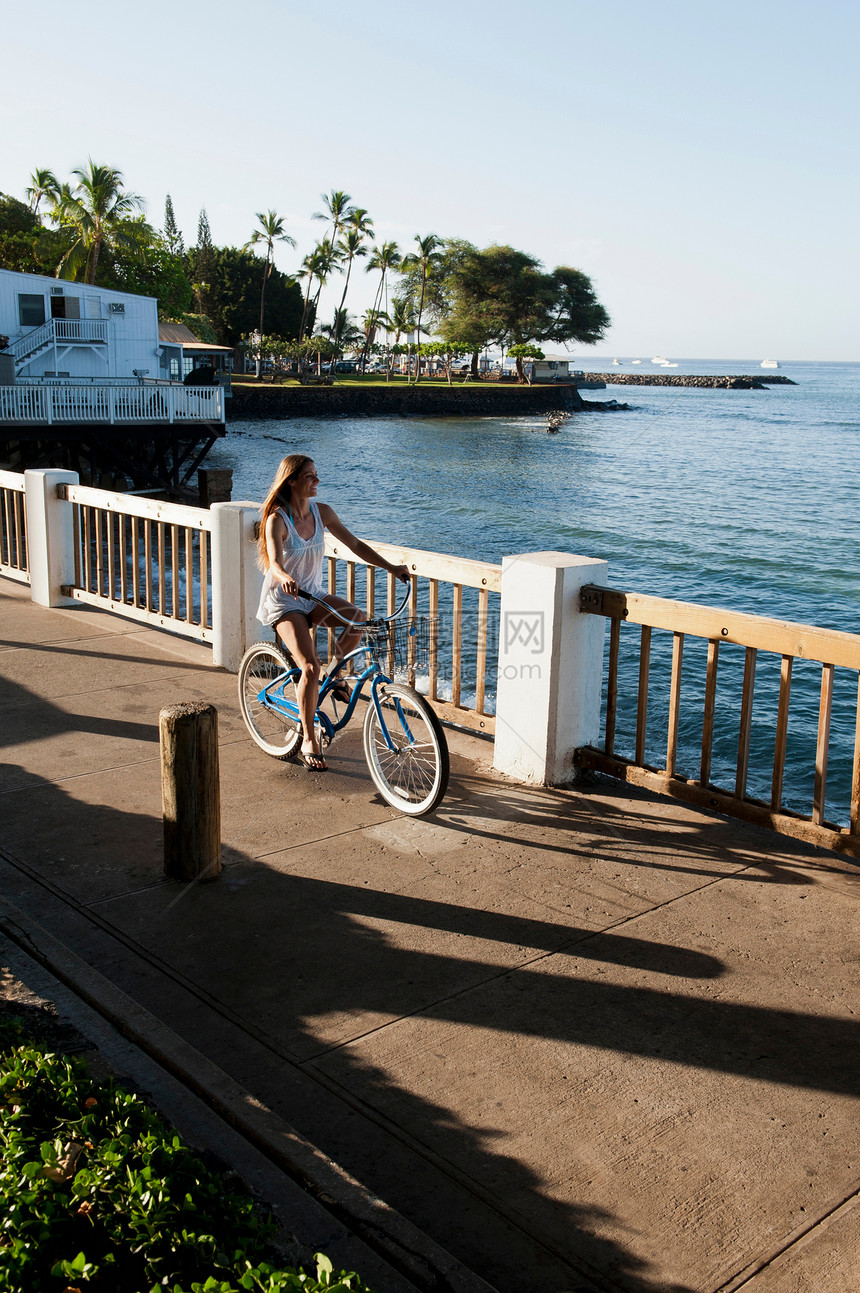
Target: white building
[[552, 368], [57, 328], [86, 382]]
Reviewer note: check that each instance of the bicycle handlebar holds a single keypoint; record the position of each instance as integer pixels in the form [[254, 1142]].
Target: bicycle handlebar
[[379, 619]]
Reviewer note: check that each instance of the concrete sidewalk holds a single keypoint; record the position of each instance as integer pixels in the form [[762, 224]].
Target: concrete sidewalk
[[579, 1039]]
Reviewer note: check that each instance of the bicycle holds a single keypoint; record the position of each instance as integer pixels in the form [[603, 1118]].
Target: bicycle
[[404, 743]]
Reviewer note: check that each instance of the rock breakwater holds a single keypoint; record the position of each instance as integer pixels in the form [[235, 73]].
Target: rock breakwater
[[743, 382]]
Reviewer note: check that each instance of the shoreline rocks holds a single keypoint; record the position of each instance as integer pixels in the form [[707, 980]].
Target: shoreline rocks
[[745, 382]]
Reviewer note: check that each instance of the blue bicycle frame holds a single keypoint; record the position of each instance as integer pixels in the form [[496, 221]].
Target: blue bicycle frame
[[272, 696]]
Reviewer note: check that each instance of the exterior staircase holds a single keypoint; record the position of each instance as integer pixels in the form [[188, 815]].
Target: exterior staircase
[[62, 333]]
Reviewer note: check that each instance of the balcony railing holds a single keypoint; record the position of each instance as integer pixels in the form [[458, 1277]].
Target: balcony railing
[[64, 332], [112, 403]]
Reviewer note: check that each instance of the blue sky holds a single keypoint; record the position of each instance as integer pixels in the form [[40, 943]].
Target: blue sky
[[699, 162]]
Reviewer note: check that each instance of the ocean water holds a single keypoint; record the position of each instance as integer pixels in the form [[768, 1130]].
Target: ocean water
[[738, 499]]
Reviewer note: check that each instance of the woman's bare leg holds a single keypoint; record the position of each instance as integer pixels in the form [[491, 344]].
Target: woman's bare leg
[[299, 641], [348, 639]]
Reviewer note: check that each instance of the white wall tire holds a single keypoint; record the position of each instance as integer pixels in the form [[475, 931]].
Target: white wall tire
[[413, 777]]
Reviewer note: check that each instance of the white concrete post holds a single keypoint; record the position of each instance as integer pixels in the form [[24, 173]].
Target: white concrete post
[[236, 582], [550, 666], [50, 536]]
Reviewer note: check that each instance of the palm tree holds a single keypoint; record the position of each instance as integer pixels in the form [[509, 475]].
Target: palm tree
[[422, 260], [343, 331], [401, 320], [43, 184], [371, 321], [328, 259], [352, 245], [386, 257], [271, 231], [337, 209], [308, 270], [95, 210]]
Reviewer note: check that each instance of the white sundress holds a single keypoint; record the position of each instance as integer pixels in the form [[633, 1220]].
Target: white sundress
[[303, 559]]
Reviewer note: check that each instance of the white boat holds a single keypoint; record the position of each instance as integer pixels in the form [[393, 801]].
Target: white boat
[[659, 359], [616, 362], [636, 361], [769, 363], [668, 365]]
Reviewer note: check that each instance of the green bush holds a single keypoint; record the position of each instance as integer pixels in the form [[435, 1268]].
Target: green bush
[[97, 1193]]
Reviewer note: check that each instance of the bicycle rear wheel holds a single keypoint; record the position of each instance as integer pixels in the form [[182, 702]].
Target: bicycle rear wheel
[[278, 734], [413, 775]]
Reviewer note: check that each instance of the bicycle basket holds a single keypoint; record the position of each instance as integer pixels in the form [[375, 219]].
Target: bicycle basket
[[402, 646]]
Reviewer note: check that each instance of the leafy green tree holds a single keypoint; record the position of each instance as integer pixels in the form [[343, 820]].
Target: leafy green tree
[[198, 324], [422, 261], [525, 351], [144, 264], [97, 212], [501, 295], [271, 231], [235, 302], [25, 244]]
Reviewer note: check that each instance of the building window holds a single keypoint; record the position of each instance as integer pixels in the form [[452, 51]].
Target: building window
[[187, 366], [31, 310], [174, 370]]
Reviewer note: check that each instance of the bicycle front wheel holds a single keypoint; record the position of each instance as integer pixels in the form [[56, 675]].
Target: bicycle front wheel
[[277, 733], [411, 773]]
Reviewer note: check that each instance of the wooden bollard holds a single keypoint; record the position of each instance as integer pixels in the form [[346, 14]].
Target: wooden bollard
[[190, 791]]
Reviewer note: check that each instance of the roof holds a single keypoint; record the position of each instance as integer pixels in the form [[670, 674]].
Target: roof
[[176, 334], [77, 286]]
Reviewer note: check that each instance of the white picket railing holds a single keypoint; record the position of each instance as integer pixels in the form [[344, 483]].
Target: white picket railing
[[193, 571], [13, 528], [113, 403], [81, 330], [142, 559], [64, 332], [33, 340]]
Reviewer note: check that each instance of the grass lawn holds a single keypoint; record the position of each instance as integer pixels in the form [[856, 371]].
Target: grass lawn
[[374, 379]]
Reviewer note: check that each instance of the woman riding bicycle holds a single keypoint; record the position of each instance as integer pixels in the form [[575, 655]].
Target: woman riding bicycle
[[291, 551]]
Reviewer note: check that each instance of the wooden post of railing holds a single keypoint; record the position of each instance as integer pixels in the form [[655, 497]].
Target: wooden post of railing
[[50, 536], [550, 666], [190, 792]]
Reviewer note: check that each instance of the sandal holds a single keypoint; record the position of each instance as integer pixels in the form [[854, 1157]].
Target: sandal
[[342, 691], [313, 762]]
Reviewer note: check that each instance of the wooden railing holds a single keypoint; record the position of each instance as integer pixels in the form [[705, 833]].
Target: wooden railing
[[13, 528], [464, 596], [110, 402], [789, 642], [142, 559]]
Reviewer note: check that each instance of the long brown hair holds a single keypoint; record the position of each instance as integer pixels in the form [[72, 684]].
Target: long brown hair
[[278, 496]]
